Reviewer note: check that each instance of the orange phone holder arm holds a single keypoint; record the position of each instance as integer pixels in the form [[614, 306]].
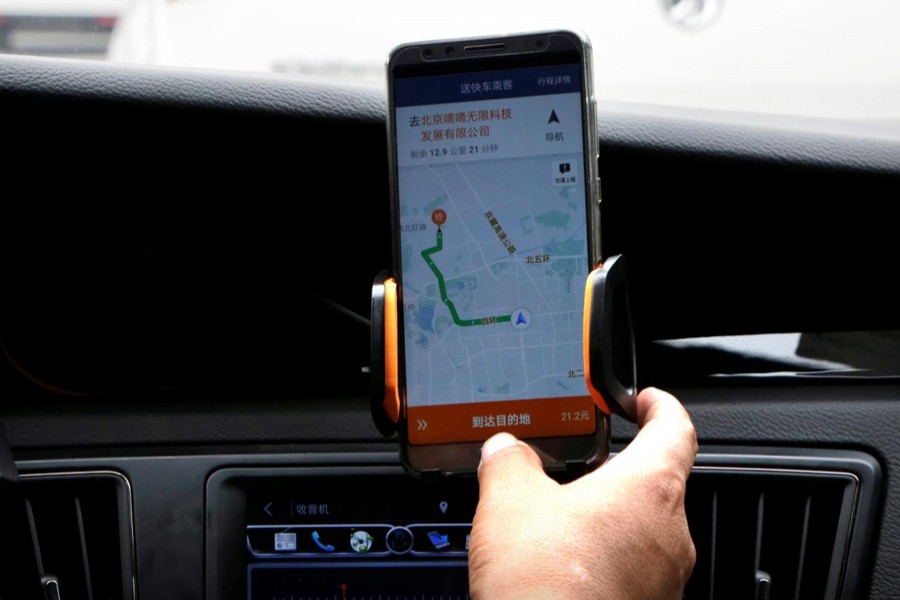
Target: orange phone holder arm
[[609, 356], [385, 394]]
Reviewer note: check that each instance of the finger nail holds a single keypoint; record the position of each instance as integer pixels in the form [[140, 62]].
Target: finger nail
[[497, 442]]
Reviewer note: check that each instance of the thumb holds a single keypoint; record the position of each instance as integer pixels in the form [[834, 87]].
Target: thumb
[[510, 523], [508, 467]]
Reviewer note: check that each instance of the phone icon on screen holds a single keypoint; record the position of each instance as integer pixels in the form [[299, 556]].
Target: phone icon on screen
[[325, 547]]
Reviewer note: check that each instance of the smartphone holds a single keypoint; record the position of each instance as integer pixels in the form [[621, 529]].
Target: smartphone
[[495, 207]]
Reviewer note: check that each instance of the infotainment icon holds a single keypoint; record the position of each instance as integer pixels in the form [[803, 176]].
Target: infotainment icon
[[286, 542], [318, 541], [439, 540], [360, 541]]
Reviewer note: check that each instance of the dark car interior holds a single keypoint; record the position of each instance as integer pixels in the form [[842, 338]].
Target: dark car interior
[[187, 268]]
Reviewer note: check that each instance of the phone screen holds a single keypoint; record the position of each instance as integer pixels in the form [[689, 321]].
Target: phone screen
[[494, 250]]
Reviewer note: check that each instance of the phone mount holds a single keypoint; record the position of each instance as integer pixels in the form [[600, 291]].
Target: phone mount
[[384, 392], [609, 351], [610, 365]]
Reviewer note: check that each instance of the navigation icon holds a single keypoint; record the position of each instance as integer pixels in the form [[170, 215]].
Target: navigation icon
[[439, 540], [443, 507], [553, 118], [520, 318]]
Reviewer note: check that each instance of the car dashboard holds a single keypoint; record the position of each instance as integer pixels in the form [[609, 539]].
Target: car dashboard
[[187, 267]]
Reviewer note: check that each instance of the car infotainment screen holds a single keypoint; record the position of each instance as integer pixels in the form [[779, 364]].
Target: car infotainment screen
[[359, 537]]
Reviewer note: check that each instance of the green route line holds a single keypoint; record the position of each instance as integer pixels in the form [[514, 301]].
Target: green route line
[[426, 254]]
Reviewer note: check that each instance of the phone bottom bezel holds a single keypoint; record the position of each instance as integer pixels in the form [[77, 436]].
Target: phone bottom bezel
[[568, 453]]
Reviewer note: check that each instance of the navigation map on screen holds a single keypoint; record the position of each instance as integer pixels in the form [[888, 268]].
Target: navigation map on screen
[[494, 252]]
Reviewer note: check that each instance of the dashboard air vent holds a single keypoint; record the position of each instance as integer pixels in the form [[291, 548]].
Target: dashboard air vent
[[795, 530], [69, 537]]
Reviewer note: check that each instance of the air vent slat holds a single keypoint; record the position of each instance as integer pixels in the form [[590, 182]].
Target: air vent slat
[[85, 559], [804, 536], [760, 522], [35, 542], [824, 519], [58, 537], [736, 541], [79, 528], [712, 554], [782, 534], [20, 579]]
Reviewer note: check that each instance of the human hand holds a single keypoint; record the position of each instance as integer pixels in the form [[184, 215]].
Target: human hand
[[619, 532]]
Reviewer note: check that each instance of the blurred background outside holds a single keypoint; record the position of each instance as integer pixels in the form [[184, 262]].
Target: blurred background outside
[[827, 59]]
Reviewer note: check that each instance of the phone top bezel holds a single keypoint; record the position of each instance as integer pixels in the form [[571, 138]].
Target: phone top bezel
[[519, 50]]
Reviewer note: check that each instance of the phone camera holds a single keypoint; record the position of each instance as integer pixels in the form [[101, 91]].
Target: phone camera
[[427, 53], [449, 50]]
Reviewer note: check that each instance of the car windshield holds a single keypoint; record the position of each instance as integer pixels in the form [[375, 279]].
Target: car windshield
[[825, 59], [830, 59]]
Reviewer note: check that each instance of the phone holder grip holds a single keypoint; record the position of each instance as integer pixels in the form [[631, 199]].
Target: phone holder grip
[[385, 397], [609, 353]]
